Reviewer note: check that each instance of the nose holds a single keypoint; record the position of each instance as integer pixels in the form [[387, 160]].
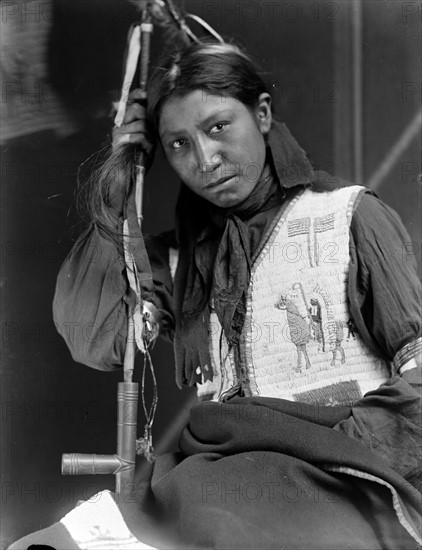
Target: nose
[[208, 156]]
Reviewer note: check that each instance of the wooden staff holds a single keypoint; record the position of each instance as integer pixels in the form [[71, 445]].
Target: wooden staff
[[122, 464]]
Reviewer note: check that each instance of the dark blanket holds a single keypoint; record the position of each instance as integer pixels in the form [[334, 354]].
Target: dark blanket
[[268, 473]]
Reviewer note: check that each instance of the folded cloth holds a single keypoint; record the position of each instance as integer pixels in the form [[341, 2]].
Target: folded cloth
[[96, 524]]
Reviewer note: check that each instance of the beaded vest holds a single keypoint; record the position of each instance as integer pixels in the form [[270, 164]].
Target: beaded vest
[[299, 341]]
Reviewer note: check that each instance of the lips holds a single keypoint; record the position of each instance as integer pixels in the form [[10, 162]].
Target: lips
[[219, 182]]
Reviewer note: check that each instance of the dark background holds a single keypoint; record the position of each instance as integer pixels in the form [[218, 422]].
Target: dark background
[[346, 79]]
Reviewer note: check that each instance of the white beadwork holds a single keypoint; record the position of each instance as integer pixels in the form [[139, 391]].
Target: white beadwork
[[294, 348]]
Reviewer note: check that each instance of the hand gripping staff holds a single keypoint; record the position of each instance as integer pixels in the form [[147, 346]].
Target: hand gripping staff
[[140, 330]]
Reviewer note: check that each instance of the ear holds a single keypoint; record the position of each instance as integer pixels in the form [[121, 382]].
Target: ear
[[263, 112]]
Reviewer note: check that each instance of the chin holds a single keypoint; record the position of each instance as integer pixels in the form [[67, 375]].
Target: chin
[[228, 200], [226, 203]]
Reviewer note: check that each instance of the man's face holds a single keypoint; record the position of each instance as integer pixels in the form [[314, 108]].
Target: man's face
[[215, 144]]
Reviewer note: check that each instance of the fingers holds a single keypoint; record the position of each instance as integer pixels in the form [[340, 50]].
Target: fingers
[[125, 138], [135, 111], [132, 133], [133, 129], [136, 127], [135, 95]]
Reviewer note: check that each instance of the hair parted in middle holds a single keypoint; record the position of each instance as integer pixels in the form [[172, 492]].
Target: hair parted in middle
[[220, 69]]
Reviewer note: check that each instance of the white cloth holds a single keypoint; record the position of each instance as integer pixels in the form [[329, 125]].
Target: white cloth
[[97, 524]]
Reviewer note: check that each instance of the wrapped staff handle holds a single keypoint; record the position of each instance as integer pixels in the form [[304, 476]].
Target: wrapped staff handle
[[146, 32]]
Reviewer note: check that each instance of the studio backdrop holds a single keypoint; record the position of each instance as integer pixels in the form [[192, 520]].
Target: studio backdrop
[[345, 77]]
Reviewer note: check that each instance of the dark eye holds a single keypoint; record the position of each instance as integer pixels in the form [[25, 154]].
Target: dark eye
[[219, 127], [177, 144]]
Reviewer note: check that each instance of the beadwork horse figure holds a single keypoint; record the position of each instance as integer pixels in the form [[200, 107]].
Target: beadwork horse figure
[[299, 330]]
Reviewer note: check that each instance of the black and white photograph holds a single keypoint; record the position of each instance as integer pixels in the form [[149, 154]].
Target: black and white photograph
[[211, 260]]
